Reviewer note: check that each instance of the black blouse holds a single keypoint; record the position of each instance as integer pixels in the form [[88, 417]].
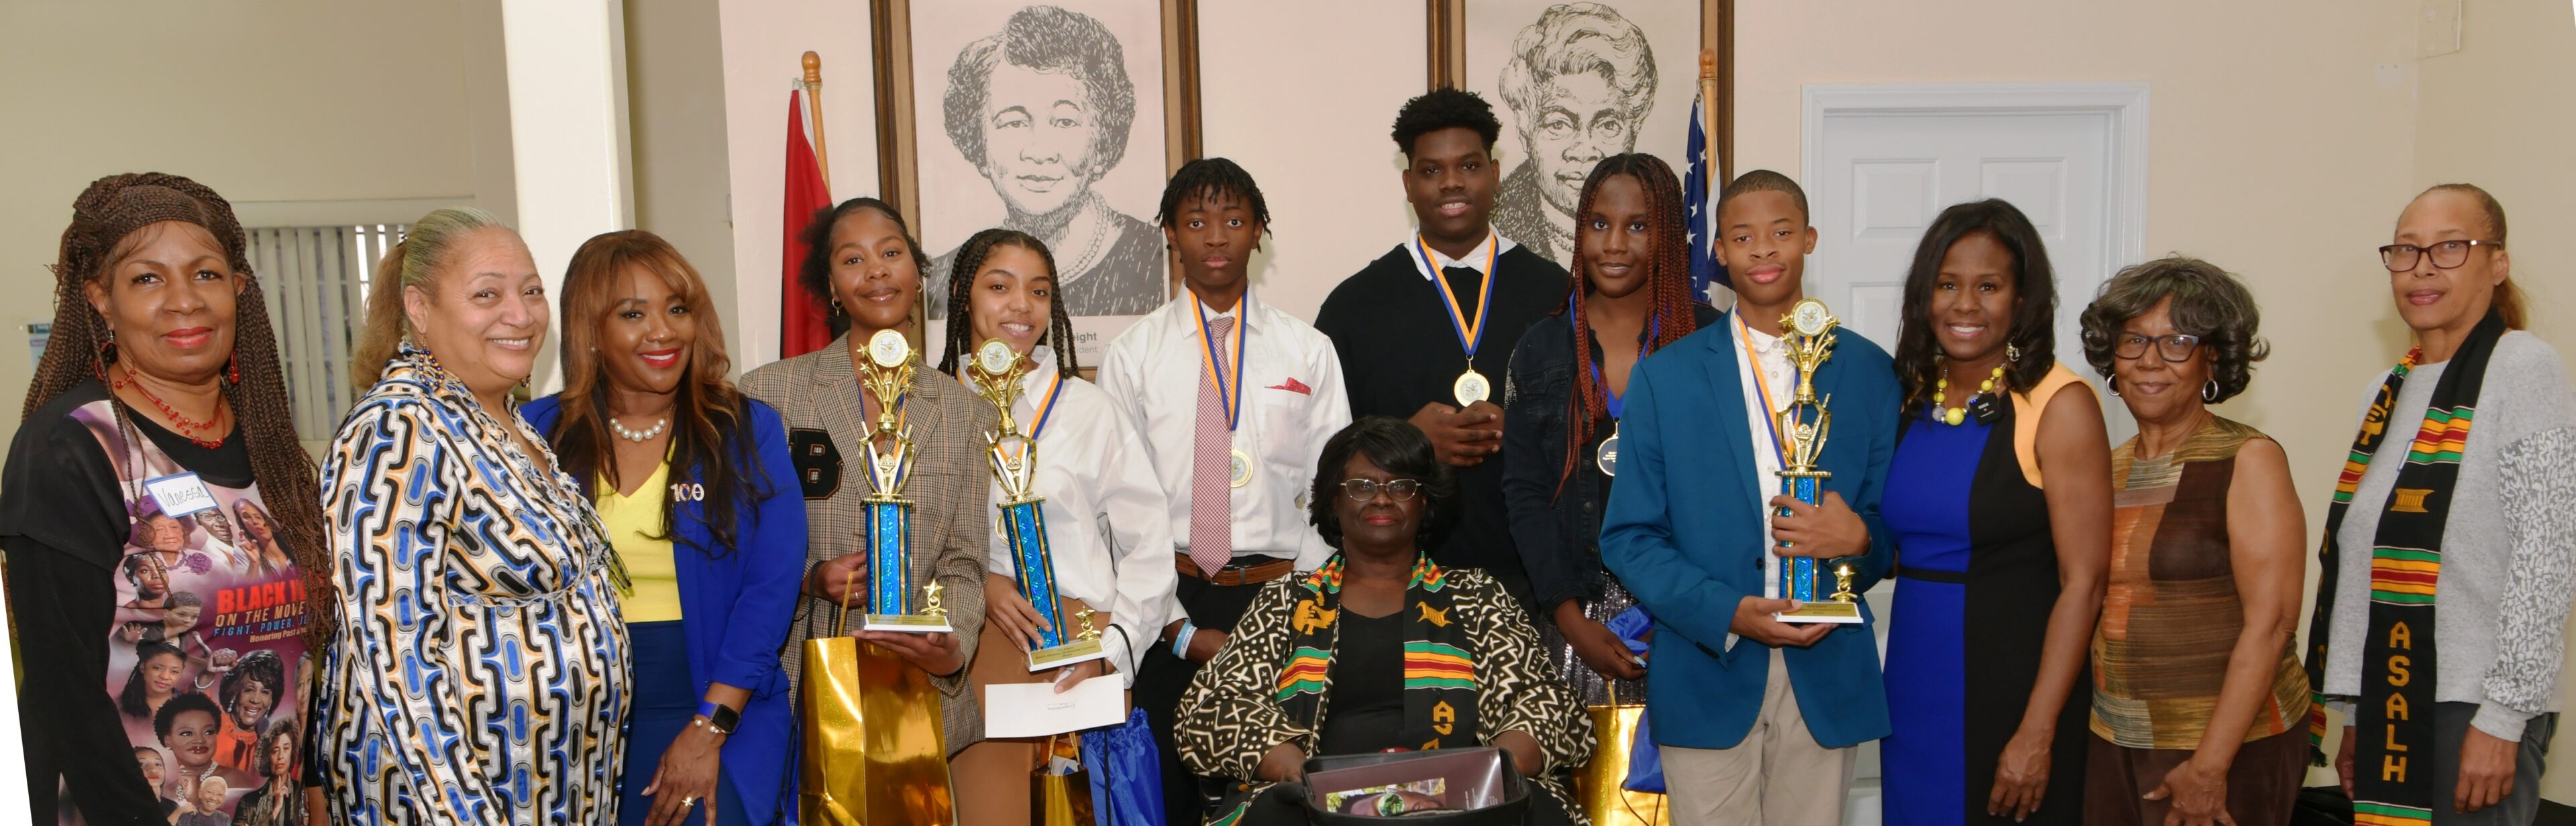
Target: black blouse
[[63, 522], [1558, 535], [1366, 713]]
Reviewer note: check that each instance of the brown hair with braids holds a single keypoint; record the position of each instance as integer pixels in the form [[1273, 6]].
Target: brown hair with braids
[[709, 411], [1667, 275], [961, 287], [106, 219]]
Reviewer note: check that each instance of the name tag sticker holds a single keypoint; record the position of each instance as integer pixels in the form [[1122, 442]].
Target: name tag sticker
[[180, 494]]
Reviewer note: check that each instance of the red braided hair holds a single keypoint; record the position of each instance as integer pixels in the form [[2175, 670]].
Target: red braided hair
[[1667, 275]]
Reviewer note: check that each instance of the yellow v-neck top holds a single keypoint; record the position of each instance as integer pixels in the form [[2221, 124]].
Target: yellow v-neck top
[[632, 522]]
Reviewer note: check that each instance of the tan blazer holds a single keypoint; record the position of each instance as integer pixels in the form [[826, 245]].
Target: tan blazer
[[827, 428]]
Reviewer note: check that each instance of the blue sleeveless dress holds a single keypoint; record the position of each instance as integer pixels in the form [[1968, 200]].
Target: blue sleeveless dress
[[1976, 578]]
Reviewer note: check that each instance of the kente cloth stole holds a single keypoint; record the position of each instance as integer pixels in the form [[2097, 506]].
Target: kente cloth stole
[[2393, 777], [1440, 688]]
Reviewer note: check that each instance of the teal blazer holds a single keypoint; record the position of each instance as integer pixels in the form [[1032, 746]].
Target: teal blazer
[[1683, 532]]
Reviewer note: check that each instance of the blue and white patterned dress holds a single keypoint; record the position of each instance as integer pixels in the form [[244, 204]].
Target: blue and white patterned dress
[[481, 672]]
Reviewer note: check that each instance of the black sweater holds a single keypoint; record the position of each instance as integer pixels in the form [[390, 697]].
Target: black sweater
[[1399, 351]]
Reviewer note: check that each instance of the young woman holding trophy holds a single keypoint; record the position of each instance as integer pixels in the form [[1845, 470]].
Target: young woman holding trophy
[[1077, 581], [891, 459]]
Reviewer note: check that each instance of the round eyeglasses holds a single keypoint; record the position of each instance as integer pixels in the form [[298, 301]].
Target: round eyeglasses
[[2446, 254], [2175, 347], [1362, 490]]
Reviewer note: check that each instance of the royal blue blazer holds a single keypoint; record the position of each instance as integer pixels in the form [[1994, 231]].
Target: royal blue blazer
[[735, 608], [1683, 531]]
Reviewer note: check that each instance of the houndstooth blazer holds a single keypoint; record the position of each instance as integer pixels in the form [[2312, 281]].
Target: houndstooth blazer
[[827, 428]]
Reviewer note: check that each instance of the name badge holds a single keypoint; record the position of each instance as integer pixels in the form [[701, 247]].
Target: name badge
[[181, 494]]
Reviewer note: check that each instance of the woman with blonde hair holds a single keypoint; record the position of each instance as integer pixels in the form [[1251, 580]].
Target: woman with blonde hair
[[480, 674], [693, 482]]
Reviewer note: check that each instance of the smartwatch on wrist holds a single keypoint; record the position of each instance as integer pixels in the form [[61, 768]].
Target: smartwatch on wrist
[[720, 718]]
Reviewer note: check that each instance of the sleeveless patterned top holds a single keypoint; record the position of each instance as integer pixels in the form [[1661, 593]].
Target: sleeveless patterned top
[[2171, 616]]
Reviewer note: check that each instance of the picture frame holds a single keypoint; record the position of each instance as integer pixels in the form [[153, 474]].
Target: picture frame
[[1510, 52], [1082, 134]]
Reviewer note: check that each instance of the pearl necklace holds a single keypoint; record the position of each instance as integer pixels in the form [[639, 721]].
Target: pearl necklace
[[1959, 415], [632, 436]]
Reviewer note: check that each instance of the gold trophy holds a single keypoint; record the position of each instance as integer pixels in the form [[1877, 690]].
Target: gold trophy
[[888, 375], [1809, 333], [996, 370]]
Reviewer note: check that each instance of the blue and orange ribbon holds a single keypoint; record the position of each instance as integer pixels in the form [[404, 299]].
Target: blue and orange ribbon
[[1046, 405], [1228, 391], [1771, 422], [1471, 332]]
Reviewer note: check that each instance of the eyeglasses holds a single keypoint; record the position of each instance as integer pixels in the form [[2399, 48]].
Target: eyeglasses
[[2446, 254], [2175, 347], [1362, 490]]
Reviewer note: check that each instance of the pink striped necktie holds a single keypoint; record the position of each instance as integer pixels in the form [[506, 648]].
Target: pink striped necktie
[[1212, 470]]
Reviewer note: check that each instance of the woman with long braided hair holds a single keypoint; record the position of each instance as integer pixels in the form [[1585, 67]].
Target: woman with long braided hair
[[1630, 295], [1108, 525], [159, 394]]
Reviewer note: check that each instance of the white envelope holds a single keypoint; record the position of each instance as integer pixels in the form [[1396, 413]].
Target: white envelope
[[1035, 710]]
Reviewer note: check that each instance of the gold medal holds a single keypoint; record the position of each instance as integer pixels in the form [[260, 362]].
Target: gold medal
[[1239, 471], [1471, 387]]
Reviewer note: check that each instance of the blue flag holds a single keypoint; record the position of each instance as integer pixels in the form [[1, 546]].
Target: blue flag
[[1700, 211]]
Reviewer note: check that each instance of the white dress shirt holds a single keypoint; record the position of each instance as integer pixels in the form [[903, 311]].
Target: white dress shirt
[[1108, 527], [1475, 259], [1292, 402], [1768, 362]]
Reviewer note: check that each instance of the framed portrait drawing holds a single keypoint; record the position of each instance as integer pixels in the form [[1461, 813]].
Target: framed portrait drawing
[[1050, 119], [1575, 82]]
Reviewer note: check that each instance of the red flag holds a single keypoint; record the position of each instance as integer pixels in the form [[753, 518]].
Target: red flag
[[802, 326]]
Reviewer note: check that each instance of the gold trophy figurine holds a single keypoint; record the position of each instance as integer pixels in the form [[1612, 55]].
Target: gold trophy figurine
[[1842, 583]]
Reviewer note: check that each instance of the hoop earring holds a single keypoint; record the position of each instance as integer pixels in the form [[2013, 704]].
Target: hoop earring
[[2209, 392], [2111, 383], [106, 353], [2012, 352]]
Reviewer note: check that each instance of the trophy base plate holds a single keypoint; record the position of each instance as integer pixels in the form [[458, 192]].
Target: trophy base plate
[[1078, 651], [1827, 611], [908, 623]]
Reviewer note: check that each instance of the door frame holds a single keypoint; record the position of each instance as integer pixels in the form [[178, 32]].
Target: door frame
[[2123, 105]]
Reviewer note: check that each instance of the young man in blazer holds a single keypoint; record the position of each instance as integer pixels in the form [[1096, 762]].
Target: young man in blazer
[[1758, 721]]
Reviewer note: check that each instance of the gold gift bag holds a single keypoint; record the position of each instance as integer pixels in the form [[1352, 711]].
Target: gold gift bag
[[1614, 731], [1059, 799], [874, 754]]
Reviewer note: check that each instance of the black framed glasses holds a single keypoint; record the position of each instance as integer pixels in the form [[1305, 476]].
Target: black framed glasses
[[2176, 347], [1362, 490], [2446, 254]]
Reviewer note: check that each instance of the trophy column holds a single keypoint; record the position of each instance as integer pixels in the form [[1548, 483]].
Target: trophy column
[[996, 371], [1809, 334]]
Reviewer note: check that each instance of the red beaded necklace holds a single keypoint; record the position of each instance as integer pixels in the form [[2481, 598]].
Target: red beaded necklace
[[187, 428]]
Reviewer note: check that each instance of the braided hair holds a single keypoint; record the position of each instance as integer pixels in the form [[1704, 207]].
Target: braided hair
[[1208, 179], [105, 220], [961, 289], [1667, 274]]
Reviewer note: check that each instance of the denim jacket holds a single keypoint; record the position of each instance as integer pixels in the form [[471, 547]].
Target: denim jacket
[[1559, 535]]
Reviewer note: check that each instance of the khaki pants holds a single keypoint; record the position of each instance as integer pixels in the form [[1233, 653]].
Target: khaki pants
[[1778, 776]]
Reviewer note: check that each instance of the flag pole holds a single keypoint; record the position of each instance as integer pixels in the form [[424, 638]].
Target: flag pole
[[1716, 177], [814, 111]]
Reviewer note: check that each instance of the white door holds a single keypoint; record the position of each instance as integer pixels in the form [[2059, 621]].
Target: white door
[[1883, 161], [1886, 176]]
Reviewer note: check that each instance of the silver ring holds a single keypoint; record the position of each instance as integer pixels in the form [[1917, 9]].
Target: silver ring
[[686, 802]]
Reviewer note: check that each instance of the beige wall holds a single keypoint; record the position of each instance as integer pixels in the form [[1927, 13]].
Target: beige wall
[[2497, 114], [676, 107], [301, 112]]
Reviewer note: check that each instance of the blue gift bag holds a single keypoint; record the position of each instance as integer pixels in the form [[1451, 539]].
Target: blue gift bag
[[1126, 773], [1645, 764]]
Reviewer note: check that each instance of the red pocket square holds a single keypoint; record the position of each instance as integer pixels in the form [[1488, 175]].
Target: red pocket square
[[1292, 385]]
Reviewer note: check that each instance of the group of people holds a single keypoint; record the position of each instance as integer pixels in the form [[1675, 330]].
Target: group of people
[[1421, 522]]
